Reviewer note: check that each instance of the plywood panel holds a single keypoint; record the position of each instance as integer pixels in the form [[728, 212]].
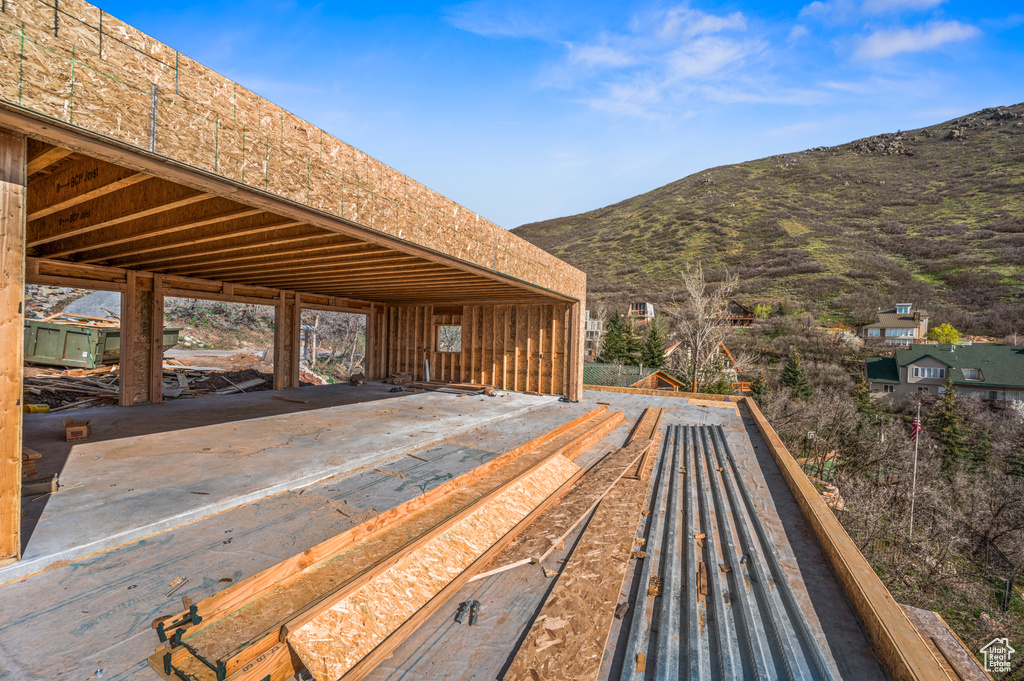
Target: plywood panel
[[333, 642]]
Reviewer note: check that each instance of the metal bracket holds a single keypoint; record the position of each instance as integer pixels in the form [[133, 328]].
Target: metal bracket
[[193, 617]]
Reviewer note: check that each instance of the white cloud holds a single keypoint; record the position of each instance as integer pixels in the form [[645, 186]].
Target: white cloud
[[830, 11], [493, 19], [798, 31], [686, 22], [889, 6], [884, 44], [706, 56], [600, 55]]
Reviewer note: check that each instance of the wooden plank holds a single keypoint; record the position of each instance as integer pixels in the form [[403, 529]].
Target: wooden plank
[[156, 343], [568, 637], [646, 428], [574, 388], [13, 179], [332, 641]]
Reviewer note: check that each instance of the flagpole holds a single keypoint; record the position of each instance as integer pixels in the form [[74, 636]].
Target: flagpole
[[913, 487]]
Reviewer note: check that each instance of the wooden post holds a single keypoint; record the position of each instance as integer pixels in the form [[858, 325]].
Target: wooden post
[[126, 371], [295, 344], [575, 355], [281, 323], [156, 342], [13, 180]]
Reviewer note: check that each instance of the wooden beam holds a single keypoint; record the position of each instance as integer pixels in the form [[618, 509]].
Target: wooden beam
[[281, 320], [156, 342], [13, 180], [75, 183], [145, 199], [46, 158]]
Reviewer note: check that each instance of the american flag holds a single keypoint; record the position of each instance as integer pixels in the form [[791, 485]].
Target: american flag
[[915, 428]]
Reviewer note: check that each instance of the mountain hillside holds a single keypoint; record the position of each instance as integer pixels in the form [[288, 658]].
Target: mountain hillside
[[932, 216]]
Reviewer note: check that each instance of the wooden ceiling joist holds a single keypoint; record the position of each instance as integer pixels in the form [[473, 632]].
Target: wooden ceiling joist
[[141, 200], [353, 273], [42, 156], [208, 212], [296, 248], [261, 228], [320, 264], [82, 180], [244, 262]]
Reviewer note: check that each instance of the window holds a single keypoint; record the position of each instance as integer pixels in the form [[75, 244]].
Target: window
[[929, 372], [903, 309], [923, 389], [900, 333], [972, 374], [993, 394], [873, 332], [888, 388], [449, 338]]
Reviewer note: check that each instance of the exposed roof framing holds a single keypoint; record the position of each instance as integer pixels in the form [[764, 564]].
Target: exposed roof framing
[[88, 211]]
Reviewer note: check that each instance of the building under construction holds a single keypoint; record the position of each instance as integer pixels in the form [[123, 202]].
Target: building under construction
[[475, 527]]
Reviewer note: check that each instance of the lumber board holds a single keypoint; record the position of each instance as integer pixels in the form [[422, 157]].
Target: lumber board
[[568, 637], [241, 593], [13, 179], [558, 522], [561, 519], [331, 643]]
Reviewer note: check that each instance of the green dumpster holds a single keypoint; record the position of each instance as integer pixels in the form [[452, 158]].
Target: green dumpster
[[79, 346]]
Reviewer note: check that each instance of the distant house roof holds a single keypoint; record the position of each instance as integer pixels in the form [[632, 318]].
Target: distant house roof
[[882, 370], [622, 376], [1001, 365], [892, 320]]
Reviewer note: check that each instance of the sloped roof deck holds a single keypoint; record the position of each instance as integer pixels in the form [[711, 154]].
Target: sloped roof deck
[[144, 159], [1000, 365], [893, 320]]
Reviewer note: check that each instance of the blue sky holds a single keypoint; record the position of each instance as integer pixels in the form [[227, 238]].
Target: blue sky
[[529, 110]]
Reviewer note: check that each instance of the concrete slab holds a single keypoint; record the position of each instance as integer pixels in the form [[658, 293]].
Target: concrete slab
[[89, 619], [151, 468]]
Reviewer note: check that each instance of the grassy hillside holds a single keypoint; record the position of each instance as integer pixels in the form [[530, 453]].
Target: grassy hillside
[[934, 216]]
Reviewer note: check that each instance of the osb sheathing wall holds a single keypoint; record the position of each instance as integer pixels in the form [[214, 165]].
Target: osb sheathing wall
[[70, 62], [514, 347]]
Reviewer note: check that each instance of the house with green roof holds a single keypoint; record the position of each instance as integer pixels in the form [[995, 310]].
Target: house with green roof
[[625, 376], [992, 372]]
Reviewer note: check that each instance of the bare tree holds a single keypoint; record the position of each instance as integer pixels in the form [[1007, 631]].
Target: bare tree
[[700, 325]]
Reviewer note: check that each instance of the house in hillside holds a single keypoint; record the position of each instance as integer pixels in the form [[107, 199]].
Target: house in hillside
[[737, 314], [625, 376], [992, 372], [903, 325], [641, 312]]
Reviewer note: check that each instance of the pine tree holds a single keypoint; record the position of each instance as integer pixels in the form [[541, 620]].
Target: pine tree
[[759, 389], [653, 355], [620, 346], [795, 378], [948, 425], [614, 331]]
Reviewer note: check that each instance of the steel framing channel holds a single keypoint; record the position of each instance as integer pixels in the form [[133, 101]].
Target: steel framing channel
[[801, 627], [667, 662], [639, 628]]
